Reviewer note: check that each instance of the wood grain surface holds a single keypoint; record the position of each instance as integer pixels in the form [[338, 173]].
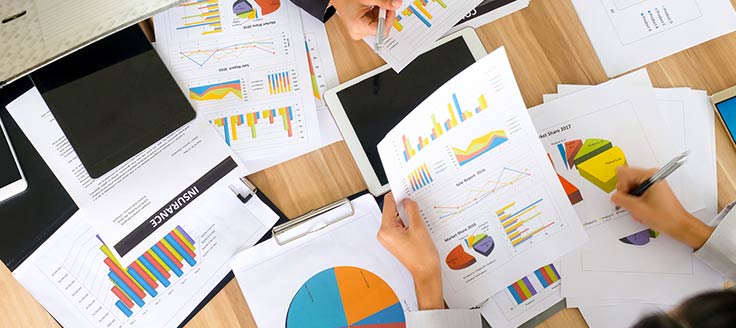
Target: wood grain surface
[[547, 45]]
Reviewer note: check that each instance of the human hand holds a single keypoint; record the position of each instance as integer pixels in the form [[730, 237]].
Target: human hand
[[413, 247], [361, 16], [658, 208]]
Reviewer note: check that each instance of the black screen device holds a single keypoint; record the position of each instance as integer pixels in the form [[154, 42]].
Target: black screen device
[[113, 99], [377, 104], [9, 172]]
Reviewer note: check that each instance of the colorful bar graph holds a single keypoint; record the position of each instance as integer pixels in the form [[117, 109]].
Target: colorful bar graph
[[419, 10], [515, 224], [312, 74], [230, 124], [456, 115], [279, 83], [420, 177], [207, 16], [547, 275], [525, 288], [144, 277], [522, 290]]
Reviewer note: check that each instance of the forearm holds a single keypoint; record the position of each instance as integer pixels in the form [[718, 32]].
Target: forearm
[[693, 232], [429, 292]]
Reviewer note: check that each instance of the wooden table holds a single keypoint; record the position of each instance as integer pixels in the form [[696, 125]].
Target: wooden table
[[546, 44]]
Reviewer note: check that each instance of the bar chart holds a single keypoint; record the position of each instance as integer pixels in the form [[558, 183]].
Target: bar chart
[[420, 177], [522, 221], [419, 10], [456, 116], [202, 16], [229, 125], [279, 82], [531, 285], [148, 275]]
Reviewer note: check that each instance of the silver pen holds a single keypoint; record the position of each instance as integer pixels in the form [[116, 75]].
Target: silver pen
[[661, 174], [381, 23]]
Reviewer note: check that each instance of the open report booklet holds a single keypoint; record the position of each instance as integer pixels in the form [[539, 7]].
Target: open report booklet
[[472, 160], [152, 238]]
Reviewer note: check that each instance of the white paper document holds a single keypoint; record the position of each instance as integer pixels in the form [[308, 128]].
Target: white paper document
[[590, 133], [627, 34], [619, 315], [479, 16], [470, 157], [648, 277], [689, 116], [245, 68], [338, 276], [76, 278], [418, 25], [185, 176], [525, 299]]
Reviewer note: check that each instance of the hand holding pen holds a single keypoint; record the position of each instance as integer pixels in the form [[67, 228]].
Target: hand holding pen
[[657, 207]]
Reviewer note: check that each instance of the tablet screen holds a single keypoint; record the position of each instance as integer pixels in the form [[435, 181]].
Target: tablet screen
[[375, 105], [113, 99]]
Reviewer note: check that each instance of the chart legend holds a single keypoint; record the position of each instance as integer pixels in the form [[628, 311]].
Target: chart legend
[[151, 272], [204, 17], [230, 125], [456, 115], [479, 146], [522, 223], [279, 83], [216, 91], [345, 296]]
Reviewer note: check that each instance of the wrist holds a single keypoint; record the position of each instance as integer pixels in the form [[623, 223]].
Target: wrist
[[694, 232], [428, 289]]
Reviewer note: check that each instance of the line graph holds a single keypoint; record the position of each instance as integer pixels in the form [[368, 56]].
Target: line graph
[[200, 57], [506, 178]]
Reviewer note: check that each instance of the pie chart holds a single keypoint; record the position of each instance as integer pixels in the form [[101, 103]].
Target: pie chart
[[345, 296]]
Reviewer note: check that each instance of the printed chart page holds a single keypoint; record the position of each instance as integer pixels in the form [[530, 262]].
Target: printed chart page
[[244, 66], [627, 34], [524, 299], [645, 261], [323, 76], [685, 117], [418, 25], [182, 177], [80, 282], [339, 276], [470, 157], [590, 133]]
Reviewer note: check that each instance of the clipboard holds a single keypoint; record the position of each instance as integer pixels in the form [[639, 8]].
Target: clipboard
[[25, 225], [317, 219]]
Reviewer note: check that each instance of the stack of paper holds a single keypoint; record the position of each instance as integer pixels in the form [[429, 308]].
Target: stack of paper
[[630, 33], [256, 72], [626, 270]]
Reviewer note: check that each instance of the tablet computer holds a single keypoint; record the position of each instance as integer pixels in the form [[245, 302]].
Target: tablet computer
[[113, 99], [368, 107]]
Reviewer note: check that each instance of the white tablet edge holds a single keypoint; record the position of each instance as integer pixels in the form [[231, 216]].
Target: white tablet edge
[[343, 122]]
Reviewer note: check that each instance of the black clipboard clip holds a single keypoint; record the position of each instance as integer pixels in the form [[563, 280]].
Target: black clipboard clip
[[245, 190], [313, 221]]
